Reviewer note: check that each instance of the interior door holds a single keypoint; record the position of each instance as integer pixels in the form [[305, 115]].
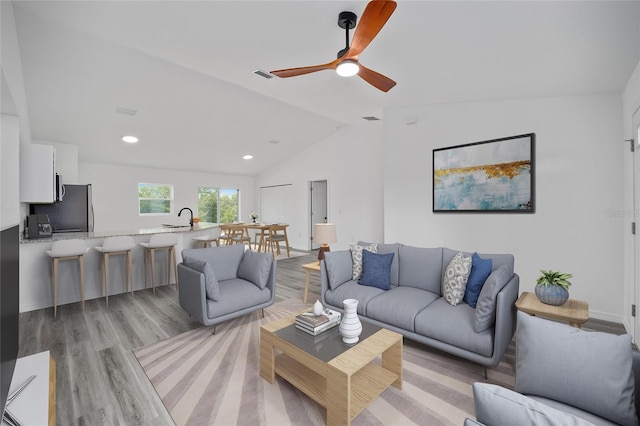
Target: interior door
[[317, 206]]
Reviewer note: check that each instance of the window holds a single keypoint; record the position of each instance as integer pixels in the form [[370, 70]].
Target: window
[[155, 198], [217, 205]]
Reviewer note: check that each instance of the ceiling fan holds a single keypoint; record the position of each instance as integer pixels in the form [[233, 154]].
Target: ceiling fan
[[373, 18]]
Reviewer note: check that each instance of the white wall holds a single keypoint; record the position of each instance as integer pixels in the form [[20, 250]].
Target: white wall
[[9, 171], [350, 161], [115, 193], [630, 103], [579, 189]]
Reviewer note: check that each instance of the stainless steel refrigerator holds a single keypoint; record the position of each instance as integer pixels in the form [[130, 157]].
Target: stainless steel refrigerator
[[74, 213]]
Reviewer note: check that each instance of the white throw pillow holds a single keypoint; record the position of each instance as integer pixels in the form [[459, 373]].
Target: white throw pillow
[[455, 279], [356, 257]]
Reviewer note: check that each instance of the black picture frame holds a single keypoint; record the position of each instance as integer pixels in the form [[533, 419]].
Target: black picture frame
[[492, 176]]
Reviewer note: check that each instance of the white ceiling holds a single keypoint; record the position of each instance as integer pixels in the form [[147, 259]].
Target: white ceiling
[[186, 68]]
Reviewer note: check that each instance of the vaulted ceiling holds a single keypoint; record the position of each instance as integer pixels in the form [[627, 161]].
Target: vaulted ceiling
[[186, 67]]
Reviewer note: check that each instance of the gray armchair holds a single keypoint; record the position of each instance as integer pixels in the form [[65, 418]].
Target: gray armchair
[[221, 283]]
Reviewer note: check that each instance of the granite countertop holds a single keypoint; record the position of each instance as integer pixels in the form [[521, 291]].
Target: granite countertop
[[104, 234]]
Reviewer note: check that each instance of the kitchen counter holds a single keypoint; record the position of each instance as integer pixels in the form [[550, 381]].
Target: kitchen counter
[[104, 234], [35, 266]]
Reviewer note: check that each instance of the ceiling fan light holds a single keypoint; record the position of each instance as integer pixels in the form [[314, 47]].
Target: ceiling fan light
[[347, 68]]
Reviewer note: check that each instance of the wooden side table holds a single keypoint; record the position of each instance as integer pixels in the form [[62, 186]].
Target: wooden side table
[[308, 267], [575, 312]]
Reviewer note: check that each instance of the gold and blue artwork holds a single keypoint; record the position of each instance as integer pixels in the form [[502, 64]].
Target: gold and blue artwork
[[490, 176]]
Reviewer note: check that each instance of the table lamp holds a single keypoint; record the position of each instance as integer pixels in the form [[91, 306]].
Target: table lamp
[[323, 234]]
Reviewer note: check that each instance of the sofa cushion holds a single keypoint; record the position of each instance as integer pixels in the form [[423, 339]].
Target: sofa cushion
[[356, 257], [210, 281], [399, 306], [339, 265], [480, 270], [588, 370], [496, 405], [386, 249], [352, 290], [486, 307], [421, 268], [455, 279], [255, 267], [224, 260], [454, 325], [376, 270], [237, 294]]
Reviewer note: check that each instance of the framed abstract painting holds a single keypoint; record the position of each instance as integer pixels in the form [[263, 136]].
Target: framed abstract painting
[[497, 175]]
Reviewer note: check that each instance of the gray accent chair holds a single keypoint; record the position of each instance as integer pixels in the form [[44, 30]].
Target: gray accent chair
[[221, 283], [564, 376], [415, 308]]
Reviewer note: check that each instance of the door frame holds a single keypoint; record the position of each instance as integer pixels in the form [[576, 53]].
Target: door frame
[[310, 212]]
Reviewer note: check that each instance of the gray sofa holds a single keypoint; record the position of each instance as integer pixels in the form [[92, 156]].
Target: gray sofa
[[414, 305], [221, 283], [564, 376]]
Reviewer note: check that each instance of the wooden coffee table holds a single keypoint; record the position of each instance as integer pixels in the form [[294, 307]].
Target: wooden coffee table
[[575, 312], [340, 377]]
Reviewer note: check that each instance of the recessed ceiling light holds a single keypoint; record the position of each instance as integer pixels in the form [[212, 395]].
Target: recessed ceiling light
[[247, 157], [130, 139]]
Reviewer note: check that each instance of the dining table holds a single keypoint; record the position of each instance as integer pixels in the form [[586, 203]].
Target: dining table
[[262, 231]]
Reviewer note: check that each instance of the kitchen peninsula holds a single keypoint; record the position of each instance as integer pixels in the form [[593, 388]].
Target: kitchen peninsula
[[35, 265]]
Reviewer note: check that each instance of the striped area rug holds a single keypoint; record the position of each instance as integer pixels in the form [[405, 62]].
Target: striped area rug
[[206, 379]]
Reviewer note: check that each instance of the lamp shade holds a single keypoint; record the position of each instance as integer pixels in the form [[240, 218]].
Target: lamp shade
[[324, 233]]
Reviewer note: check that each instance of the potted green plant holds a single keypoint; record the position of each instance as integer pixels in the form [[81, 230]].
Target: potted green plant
[[553, 287]]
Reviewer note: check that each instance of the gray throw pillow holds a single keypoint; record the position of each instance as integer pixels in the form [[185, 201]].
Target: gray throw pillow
[[486, 307], [255, 267], [588, 370], [496, 405], [339, 267], [225, 260], [210, 282]]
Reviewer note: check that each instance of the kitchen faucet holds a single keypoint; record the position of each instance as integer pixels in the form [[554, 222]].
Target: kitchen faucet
[[190, 211]]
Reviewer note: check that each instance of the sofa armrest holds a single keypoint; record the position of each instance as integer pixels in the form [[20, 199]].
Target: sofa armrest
[[192, 293], [506, 317]]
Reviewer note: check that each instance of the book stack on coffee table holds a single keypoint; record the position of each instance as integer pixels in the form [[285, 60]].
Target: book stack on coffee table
[[314, 325]]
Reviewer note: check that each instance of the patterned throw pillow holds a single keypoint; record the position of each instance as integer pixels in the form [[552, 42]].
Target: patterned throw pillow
[[455, 279], [356, 257]]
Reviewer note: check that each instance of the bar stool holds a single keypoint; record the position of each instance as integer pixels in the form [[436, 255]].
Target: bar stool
[[113, 246], [66, 250], [160, 242], [208, 239]]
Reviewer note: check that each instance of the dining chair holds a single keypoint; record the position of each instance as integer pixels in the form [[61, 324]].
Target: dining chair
[[239, 234], [277, 234], [225, 235]]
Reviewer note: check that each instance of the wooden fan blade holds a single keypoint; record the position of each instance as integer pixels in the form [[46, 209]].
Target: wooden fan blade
[[292, 72], [373, 18], [376, 79]]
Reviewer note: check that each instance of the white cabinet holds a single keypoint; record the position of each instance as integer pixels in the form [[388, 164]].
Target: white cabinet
[[37, 173]]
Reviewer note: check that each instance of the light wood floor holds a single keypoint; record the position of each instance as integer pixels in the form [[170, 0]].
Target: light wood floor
[[99, 381]]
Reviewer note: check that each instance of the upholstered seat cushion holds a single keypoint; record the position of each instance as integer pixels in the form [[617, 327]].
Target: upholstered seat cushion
[[352, 290], [454, 325], [235, 295], [399, 306]]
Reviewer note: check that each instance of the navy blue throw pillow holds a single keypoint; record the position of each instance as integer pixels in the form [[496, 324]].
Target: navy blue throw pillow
[[480, 270], [376, 270]]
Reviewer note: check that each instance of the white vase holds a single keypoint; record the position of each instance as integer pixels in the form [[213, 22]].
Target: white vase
[[350, 326], [317, 308]]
